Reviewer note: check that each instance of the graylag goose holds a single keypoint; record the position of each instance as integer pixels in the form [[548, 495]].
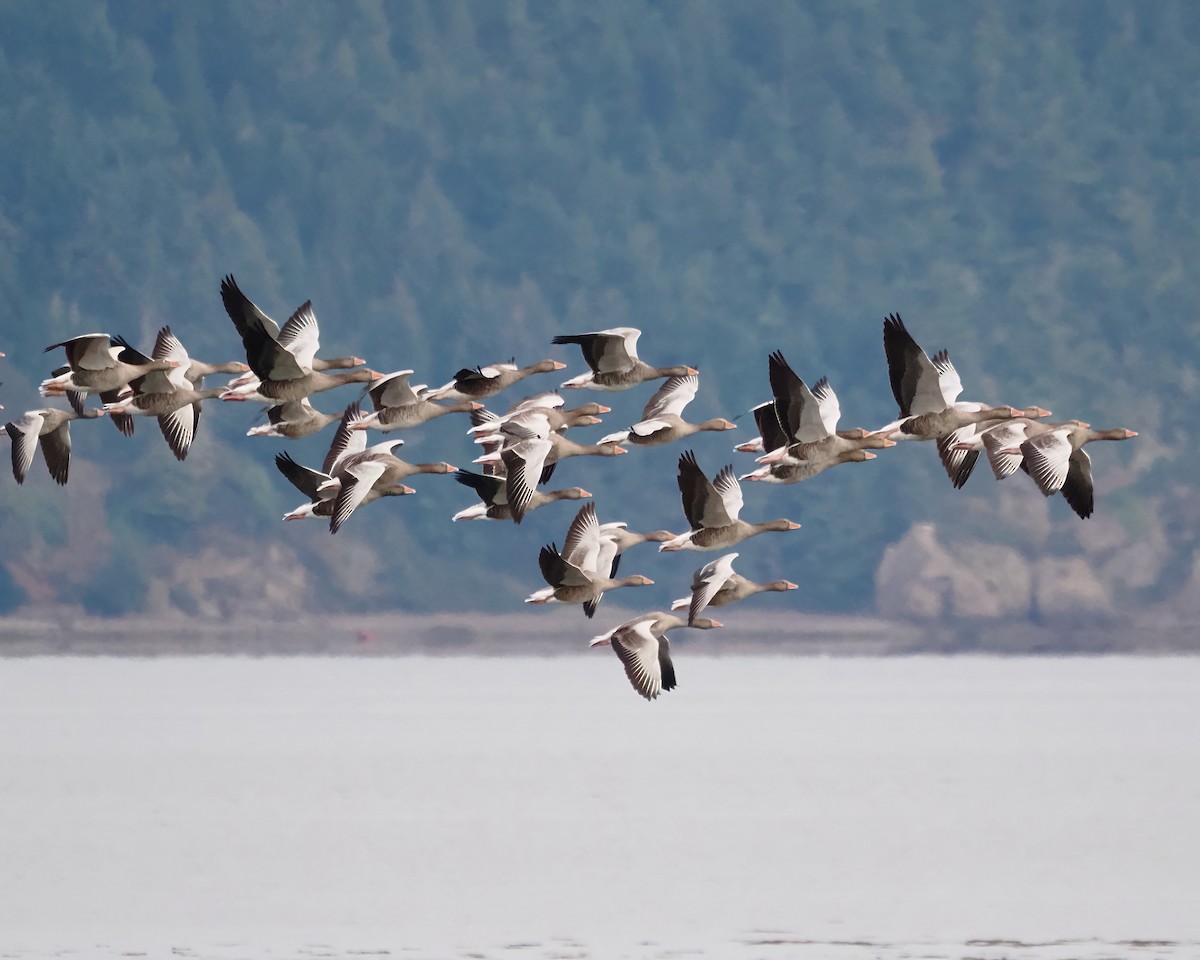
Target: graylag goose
[[172, 396], [808, 418], [716, 584], [614, 364], [550, 405], [399, 407], [540, 422], [352, 474], [292, 420], [176, 406], [323, 491], [478, 383], [626, 539], [574, 573], [795, 471], [642, 647], [926, 390], [50, 426], [530, 452], [245, 387], [712, 508], [1002, 442], [615, 539], [1057, 462], [283, 357], [662, 417], [359, 479], [492, 491], [959, 450], [372, 474], [98, 363]]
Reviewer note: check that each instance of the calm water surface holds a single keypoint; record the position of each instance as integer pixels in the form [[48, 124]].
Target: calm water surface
[[769, 807]]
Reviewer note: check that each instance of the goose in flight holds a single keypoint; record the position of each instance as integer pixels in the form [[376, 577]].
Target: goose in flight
[[642, 647], [492, 492], [613, 362], [662, 417], [712, 509], [283, 358], [478, 383], [1057, 462], [398, 404], [716, 584], [926, 390], [49, 428], [579, 573]]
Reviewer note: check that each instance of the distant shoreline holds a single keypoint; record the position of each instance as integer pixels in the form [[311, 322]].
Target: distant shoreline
[[565, 632]]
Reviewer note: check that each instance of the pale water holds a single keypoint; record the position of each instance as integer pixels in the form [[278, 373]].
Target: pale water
[[769, 807]]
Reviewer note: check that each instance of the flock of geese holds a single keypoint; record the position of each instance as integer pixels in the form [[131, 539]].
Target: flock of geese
[[798, 438]]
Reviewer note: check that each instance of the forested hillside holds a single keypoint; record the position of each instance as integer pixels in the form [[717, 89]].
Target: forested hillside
[[454, 183]]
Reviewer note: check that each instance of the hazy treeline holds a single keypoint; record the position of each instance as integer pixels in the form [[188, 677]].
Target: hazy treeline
[[454, 183]]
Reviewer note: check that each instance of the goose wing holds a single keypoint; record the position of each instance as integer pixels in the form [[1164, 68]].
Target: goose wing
[[24, 433], [558, 571], [56, 449], [949, 384], [959, 463], [730, 493], [705, 503], [394, 390], [167, 346], [767, 420], [917, 381], [489, 489], [290, 411], [671, 398], [179, 428], [548, 399], [90, 351], [1077, 489], [607, 351], [1006, 435], [608, 560], [304, 479], [1048, 459], [797, 408], [646, 658], [259, 332], [267, 357], [829, 410], [243, 311], [358, 476], [523, 462], [301, 338], [346, 440], [156, 382], [581, 547], [708, 581]]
